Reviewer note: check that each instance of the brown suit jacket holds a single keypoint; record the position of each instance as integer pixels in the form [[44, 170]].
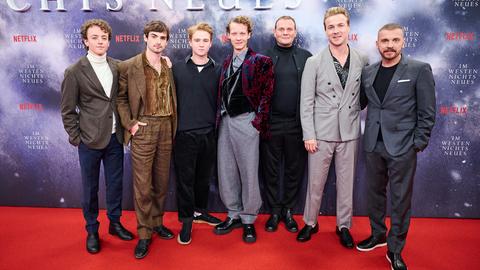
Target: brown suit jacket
[[132, 93], [92, 122]]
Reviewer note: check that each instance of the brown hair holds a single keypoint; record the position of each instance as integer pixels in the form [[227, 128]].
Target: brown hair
[[96, 22], [391, 26], [335, 11], [200, 27], [286, 18], [241, 20], [156, 26]]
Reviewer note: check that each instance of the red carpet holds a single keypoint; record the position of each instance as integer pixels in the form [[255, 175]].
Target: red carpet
[[42, 238]]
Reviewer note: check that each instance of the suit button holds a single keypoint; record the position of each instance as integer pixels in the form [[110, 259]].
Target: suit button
[[110, 117], [381, 108], [329, 83], [357, 80], [378, 123], [353, 94], [333, 95], [349, 107]]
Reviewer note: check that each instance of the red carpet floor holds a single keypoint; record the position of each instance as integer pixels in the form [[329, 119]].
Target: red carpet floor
[[42, 238]]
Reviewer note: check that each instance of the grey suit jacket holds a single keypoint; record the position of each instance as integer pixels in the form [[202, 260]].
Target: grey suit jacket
[[407, 114], [82, 90], [327, 111]]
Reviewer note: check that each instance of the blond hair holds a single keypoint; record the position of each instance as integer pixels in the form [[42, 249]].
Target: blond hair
[[335, 11], [241, 20], [202, 26]]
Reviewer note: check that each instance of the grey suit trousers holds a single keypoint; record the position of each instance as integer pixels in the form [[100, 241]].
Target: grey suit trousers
[[345, 154], [399, 171], [238, 159]]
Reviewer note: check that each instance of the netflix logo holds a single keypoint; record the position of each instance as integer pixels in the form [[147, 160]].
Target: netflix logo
[[30, 106], [24, 38], [127, 39], [353, 37], [468, 36], [453, 109]]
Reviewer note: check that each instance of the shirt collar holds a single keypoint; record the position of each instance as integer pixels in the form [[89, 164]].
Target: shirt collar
[[241, 56], [189, 59]]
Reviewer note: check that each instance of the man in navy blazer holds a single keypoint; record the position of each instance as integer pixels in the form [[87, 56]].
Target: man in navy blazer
[[400, 93]]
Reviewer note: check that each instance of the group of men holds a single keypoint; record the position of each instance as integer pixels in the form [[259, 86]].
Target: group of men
[[276, 108]]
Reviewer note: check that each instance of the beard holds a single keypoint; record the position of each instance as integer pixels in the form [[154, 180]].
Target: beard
[[385, 54]]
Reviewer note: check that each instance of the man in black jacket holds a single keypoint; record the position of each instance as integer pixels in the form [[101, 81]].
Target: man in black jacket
[[196, 79], [286, 141]]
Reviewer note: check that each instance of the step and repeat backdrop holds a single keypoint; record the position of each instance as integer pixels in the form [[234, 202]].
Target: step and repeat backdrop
[[40, 38]]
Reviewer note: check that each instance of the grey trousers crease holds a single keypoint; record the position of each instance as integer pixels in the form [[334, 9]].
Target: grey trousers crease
[[399, 171], [345, 154], [238, 159]]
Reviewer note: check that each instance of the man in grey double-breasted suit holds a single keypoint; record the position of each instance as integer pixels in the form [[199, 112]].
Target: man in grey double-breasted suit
[[400, 93], [329, 111]]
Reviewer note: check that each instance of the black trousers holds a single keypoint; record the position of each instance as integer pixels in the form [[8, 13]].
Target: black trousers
[[90, 160], [288, 146], [194, 156], [399, 171]]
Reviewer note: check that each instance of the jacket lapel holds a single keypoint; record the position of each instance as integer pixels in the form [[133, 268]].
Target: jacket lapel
[[87, 69], [139, 76], [402, 67], [371, 79], [114, 69], [354, 64], [332, 73]]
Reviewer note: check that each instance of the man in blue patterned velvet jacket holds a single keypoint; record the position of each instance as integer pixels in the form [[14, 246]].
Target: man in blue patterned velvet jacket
[[245, 92]]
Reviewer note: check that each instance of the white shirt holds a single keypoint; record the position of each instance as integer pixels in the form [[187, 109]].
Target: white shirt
[[104, 75]]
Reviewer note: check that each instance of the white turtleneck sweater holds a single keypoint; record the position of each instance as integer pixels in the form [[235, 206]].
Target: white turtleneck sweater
[[104, 75]]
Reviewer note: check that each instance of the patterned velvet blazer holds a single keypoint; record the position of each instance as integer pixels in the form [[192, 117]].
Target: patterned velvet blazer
[[257, 86]]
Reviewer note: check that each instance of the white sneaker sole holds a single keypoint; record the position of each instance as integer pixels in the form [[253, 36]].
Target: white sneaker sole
[[372, 248], [199, 221], [183, 243]]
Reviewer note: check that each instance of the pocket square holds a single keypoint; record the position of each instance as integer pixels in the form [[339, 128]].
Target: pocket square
[[406, 80]]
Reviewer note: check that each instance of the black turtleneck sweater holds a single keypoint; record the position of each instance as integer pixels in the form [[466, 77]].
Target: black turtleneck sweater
[[285, 94]]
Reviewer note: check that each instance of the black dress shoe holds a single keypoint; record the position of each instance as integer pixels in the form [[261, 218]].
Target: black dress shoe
[[290, 222], [306, 233], [227, 226], [141, 249], [117, 229], [372, 242], [164, 232], [249, 234], [272, 223], [396, 261], [93, 243], [345, 237]]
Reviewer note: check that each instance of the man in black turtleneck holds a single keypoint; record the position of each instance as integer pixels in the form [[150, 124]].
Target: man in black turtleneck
[[286, 141]]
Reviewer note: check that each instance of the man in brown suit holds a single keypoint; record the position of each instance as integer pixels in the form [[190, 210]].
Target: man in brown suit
[[147, 107], [89, 116]]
